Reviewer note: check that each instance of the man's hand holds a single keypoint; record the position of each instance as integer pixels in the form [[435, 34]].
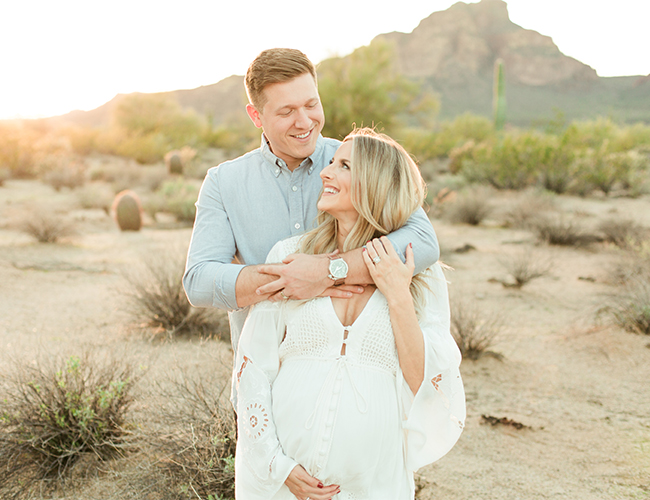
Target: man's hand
[[303, 277], [304, 486]]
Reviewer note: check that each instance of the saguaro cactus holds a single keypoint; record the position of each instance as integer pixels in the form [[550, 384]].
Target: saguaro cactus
[[127, 211], [499, 95]]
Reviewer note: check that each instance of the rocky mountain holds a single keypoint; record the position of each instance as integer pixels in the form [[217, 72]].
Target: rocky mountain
[[453, 52], [465, 40]]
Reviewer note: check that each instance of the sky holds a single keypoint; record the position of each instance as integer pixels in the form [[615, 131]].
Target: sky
[[57, 56]]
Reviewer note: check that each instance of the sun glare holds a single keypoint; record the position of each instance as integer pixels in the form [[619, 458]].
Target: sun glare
[[78, 55]]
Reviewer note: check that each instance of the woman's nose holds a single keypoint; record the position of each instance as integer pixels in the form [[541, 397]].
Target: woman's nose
[[325, 173]]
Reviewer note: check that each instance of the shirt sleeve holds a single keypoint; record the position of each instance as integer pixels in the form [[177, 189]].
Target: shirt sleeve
[[210, 277], [418, 231], [261, 467], [434, 417]]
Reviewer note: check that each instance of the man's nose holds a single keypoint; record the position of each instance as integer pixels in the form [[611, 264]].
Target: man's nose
[[302, 119]]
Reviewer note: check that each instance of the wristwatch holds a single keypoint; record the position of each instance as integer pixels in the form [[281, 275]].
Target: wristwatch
[[338, 270]]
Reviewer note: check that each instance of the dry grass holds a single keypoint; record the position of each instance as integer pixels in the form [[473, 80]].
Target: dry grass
[[474, 331], [560, 231], [71, 175], [471, 208], [96, 195], [45, 225], [523, 213], [198, 457], [525, 267], [156, 299], [624, 233], [631, 309], [58, 411]]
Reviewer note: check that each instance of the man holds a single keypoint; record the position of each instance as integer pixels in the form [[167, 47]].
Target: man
[[248, 204]]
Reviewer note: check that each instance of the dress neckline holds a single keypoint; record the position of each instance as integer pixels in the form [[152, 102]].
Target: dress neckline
[[361, 314]]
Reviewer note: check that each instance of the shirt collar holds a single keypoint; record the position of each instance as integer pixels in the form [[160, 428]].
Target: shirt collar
[[277, 164]]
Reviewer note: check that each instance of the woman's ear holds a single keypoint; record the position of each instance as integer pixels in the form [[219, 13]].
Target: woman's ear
[[254, 115]]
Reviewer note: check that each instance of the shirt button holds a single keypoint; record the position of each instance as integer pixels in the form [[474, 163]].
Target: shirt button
[[294, 188], [297, 226]]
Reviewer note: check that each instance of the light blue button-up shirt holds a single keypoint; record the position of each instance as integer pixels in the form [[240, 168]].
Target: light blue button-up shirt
[[247, 205]]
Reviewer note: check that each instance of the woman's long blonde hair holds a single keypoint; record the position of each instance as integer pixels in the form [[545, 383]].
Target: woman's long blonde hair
[[385, 188]]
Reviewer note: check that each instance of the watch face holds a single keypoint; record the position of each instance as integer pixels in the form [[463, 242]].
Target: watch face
[[339, 268]]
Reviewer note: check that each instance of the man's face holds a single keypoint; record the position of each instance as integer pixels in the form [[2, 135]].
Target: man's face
[[292, 118]]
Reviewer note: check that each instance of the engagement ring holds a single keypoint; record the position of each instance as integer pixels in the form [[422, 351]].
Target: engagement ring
[[376, 260], [283, 295]]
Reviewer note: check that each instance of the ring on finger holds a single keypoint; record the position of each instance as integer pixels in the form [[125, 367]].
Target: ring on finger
[[283, 295], [376, 259]]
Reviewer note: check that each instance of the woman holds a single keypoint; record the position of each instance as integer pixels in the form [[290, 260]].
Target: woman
[[346, 398]]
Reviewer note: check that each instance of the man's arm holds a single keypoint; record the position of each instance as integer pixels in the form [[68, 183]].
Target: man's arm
[[305, 276], [211, 279]]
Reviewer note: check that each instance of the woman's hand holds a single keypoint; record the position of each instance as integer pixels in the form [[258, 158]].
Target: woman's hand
[[304, 487], [390, 274]]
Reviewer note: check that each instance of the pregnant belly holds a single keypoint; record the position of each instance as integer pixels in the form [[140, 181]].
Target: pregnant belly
[[339, 421]]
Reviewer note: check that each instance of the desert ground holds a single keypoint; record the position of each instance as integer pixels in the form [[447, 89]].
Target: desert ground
[[576, 382]]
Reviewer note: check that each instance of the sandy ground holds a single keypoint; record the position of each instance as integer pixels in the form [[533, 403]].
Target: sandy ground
[[578, 385]]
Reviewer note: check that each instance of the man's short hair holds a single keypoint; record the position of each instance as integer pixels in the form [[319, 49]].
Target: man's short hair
[[275, 66]]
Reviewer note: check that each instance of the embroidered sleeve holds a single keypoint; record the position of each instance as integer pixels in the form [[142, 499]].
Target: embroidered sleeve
[[434, 417], [261, 467]]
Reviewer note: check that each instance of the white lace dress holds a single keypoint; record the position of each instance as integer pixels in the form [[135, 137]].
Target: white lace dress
[[349, 419]]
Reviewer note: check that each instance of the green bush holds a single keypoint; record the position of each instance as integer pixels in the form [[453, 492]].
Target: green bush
[[511, 162], [179, 198], [56, 412]]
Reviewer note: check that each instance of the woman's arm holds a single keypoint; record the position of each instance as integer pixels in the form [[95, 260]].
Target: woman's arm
[[393, 279], [429, 385]]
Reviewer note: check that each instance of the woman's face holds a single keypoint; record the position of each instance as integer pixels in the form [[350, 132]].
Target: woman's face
[[335, 199]]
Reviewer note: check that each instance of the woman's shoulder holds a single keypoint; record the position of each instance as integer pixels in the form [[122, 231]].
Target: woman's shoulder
[[283, 248]]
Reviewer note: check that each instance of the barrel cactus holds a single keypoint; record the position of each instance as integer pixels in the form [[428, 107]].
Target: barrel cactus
[[127, 211], [174, 162]]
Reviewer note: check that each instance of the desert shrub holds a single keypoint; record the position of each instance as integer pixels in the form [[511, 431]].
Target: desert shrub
[[178, 197], [522, 213], [631, 308], [473, 330], [5, 175], [633, 263], [471, 207], [45, 225], [70, 174], [83, 141], [145, 148], [561, 231], [17, 150], [448, 136], [623, 232], [55, 412], [524, 267], [155, 298], [95, 195], [512, 162], [598, 169], [197, 458]]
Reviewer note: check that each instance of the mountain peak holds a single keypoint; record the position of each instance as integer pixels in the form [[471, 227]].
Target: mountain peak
[[464, 41]]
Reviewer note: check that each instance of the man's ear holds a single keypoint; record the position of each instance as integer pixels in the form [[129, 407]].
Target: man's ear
[[254, 115]]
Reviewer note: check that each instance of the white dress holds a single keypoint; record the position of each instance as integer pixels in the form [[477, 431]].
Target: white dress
[[347, 419]]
